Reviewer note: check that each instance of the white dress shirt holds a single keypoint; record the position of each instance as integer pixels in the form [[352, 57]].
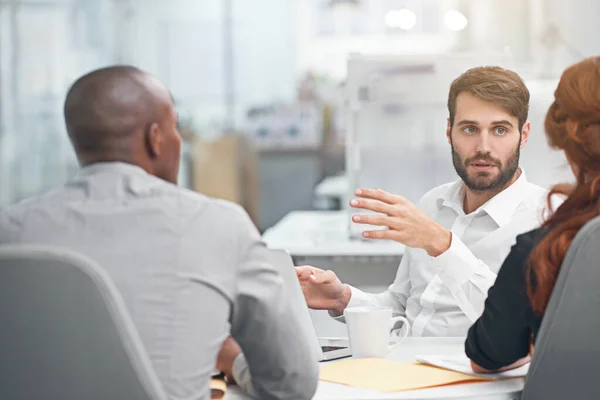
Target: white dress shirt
[[444, 295]]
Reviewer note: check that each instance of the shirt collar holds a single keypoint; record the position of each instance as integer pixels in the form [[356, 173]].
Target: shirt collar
[[452, 197], [500, 208], [119, 167]]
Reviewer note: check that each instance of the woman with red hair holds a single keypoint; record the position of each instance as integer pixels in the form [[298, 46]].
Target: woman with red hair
[[502, 338]]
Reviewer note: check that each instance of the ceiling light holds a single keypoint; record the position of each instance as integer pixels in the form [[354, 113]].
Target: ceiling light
[[403, 19], [455, 20]]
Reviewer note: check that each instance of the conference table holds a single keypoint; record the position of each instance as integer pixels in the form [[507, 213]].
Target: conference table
[[408, 351]]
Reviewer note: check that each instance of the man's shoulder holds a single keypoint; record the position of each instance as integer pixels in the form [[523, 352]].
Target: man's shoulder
[[535, 196], [430, 198], [223, 224], [18, 210], [536, 189], [216, 207], [185, 200]]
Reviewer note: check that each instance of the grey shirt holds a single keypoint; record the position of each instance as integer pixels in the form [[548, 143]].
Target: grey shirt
[[191, 271]]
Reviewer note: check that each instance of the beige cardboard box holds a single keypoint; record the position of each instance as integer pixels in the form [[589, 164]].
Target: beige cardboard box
[[226, 168]]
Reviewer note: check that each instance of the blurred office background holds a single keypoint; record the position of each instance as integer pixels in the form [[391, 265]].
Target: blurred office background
[[261, 85]]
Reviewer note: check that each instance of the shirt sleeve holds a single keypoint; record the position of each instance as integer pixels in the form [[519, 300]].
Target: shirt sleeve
[[395, 297], [241, 374], [280, 360], [502, 335], [467, 277]]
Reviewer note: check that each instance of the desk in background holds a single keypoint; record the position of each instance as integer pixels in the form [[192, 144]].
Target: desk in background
[[320, 239], [330, 192], [412, 347], [325, 234]]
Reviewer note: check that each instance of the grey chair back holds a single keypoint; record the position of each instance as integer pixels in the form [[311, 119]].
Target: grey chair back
[[65, 333], [567, 350]]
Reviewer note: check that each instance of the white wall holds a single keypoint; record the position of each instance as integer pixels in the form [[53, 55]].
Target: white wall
[[543, 165], [499, 25], [579, 23]]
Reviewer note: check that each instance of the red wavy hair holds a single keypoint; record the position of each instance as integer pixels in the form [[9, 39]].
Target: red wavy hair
[[572, 125]]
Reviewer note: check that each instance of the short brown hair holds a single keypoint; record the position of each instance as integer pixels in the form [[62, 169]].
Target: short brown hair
[[495, 85]]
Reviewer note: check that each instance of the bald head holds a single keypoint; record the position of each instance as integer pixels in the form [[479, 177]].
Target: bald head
[[122, 114]]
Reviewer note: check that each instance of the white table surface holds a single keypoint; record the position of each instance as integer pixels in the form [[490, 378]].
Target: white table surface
[[332, 186], [324, 233], [408, 351]]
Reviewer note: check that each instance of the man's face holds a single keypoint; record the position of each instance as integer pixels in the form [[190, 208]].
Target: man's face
[[486, 143]]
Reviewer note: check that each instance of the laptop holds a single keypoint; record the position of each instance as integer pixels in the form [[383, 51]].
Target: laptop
[[282, 260]]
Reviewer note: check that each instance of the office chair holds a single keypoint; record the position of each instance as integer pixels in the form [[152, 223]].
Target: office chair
[[567, 350], [65, 333]]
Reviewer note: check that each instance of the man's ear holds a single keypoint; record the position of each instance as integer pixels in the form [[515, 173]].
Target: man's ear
[[154, 140], [525, 133], [448, 131]]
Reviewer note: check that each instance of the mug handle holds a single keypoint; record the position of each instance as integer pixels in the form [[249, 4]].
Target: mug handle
[[398, 340]]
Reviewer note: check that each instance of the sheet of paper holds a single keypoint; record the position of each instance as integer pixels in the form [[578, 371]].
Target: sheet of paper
[[463, 364], [391, 376]]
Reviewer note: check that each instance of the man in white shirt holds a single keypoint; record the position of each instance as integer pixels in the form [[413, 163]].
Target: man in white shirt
[[459, 234]]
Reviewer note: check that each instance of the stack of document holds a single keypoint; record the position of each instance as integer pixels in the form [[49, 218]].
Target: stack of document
[[390, 376], [463, 364]]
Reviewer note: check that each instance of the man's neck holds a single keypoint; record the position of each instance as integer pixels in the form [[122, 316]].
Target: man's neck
[[475, 199], [114, 157]]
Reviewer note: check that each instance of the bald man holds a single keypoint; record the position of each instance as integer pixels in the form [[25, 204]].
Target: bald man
[[192, 270]]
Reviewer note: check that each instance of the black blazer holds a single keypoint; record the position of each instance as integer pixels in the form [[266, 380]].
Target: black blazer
[[508, 325]]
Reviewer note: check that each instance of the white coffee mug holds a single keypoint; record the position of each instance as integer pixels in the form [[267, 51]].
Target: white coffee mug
[[369, 331]]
